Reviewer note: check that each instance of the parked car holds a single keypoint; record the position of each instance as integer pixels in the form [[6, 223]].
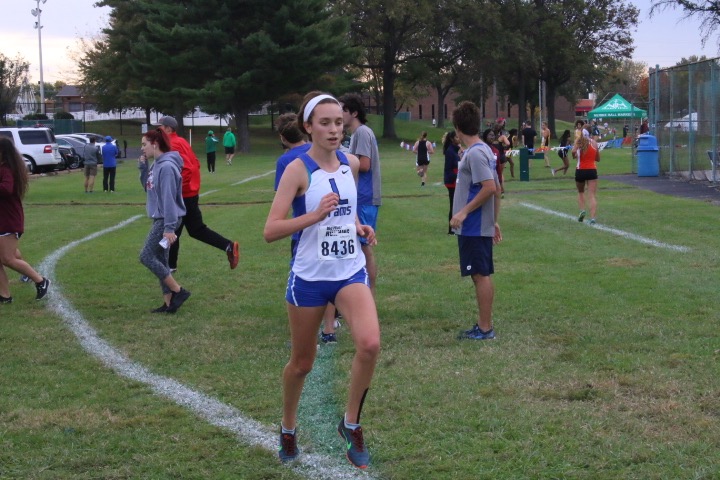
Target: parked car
[[37, 145], [70, 156], [78, 142]]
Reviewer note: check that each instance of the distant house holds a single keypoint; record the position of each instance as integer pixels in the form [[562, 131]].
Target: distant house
[[583, 107], [73, 100]]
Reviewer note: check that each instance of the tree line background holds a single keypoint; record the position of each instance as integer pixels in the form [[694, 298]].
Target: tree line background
[[231, 56]]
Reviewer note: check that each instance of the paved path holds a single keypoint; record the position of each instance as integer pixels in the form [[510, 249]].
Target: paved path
[[703, 191]]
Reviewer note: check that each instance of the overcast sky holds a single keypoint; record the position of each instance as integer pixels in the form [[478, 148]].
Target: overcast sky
[[658, 40]]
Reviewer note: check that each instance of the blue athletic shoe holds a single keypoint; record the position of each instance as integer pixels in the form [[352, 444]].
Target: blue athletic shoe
[[591, 221], [476, 334], [288, 450], [354, 445]]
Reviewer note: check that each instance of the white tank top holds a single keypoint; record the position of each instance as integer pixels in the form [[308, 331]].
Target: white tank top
[[329, 249]]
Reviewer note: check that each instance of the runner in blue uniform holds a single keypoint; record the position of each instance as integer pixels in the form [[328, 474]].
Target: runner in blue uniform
[[328, 267]]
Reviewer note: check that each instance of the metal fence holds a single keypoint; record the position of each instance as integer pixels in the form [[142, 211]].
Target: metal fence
[[685, 115]]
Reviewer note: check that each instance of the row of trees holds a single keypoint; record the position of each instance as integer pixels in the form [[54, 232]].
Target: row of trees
[[232, 56]]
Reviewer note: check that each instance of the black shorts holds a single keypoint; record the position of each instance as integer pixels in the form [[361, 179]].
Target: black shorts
[[582, 176], [229, 150], [476, 256]]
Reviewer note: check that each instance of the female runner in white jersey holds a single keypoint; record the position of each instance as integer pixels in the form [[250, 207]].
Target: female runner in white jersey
[[328, 266]]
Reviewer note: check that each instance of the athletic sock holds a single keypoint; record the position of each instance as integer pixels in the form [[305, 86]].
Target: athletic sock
[[288, 431], [351, 426]]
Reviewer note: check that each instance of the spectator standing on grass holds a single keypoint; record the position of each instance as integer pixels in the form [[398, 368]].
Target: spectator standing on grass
[[423, 148], [644, 127], [191, 195], [327, 267], [451, 150], [588, 154], [475, 214], [210, 150], [13, 186], [528, 137], [565, 145], [109, 157], [229, 142], [363, 145], [163, 183], [91, 157]]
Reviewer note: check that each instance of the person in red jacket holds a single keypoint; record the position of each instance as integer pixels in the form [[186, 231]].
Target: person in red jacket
[[191, 194], [13, 185]]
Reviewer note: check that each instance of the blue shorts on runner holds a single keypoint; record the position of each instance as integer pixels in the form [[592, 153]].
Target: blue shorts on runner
[[303, 293]]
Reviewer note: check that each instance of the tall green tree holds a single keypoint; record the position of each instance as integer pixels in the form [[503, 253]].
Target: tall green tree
[[262, 49], [226, 56], [12, 73], [395, 32], [463, 41], [572, 44]]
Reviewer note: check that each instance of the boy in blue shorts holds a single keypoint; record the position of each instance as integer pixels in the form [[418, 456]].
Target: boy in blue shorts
[[476, 207], [363, 145]]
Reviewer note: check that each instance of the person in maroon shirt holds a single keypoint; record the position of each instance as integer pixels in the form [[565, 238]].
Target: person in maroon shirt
[[13, 185]]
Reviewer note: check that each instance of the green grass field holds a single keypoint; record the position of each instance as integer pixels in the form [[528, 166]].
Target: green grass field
[[606, 364]]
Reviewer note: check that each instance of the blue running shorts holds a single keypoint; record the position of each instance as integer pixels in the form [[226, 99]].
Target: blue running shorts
[[303, 293]]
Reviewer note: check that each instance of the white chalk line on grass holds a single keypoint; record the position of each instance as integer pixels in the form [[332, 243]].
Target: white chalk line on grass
[[247, 430], [245, 180], [614, 231], [252, 178]]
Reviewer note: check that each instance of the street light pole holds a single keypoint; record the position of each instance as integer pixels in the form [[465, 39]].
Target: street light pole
[[38, 25]]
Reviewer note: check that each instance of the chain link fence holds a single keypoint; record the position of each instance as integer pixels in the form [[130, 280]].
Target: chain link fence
[[685, 114]]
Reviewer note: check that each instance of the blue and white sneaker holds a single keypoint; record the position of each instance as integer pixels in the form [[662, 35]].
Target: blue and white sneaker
[[476, 334]]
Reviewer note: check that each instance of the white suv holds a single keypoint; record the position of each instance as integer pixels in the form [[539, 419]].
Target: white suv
[[37, 146]]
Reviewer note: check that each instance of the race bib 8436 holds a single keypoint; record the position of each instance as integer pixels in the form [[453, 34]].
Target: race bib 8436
[[337, 242]]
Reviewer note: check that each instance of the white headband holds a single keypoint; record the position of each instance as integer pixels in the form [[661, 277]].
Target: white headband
[[313, 103]]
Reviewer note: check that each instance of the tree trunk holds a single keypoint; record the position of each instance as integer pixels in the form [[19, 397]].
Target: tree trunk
[[522, 101], [550, 106], [389, 102], [242, 126], [440, 113]]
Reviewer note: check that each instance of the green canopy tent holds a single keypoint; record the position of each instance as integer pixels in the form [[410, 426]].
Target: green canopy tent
[[617, 107]]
